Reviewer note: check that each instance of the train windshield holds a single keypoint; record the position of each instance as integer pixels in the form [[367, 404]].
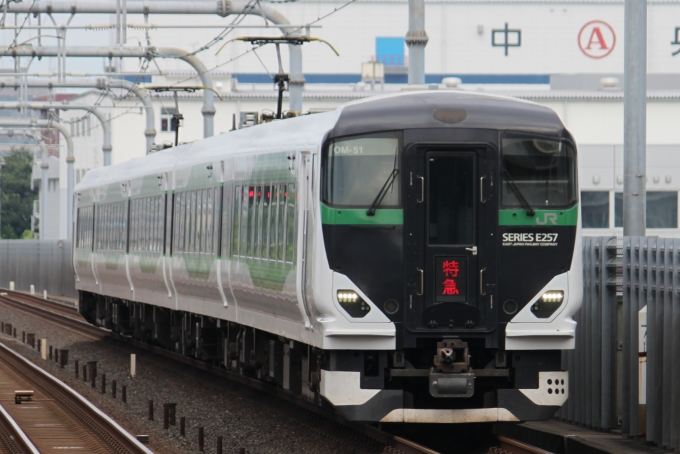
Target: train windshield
[[358, 168], [538, 173]]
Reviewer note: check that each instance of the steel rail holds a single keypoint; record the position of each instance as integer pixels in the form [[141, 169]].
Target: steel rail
[[12, 438], [63, 316], [517, 447], [105, 429]]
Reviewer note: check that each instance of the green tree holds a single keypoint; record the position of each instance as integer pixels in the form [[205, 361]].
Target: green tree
[[17, 194]]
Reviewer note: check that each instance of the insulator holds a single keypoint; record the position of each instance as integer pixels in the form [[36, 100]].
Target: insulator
[[141, 26], [102, 26]]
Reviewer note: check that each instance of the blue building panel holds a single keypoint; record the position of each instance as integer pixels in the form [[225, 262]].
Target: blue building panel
[[390, 50]]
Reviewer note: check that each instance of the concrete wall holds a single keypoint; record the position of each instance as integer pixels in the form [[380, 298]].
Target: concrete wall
[[45, 264]]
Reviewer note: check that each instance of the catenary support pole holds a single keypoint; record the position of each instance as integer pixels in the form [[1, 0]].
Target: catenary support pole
[[416, 40], [35, 123], [208, 109], [97, 112], [222, 8], [101, 84], [635, 118]]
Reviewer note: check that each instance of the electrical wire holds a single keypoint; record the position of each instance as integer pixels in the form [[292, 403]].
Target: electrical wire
[[252, 49], [16, 35]]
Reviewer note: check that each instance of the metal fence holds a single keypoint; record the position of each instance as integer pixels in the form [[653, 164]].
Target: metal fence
[[46, 264], [621, 276], [592, 364]]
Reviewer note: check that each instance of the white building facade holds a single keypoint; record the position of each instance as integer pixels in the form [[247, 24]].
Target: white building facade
[[567, 55]]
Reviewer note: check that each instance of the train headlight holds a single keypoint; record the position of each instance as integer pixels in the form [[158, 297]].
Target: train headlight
[[553, 297], [353, 304], [548, 303]]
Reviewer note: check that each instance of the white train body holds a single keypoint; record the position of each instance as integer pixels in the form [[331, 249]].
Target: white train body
[[199, 246]]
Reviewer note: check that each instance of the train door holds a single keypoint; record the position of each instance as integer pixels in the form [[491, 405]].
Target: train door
[[447, 221]]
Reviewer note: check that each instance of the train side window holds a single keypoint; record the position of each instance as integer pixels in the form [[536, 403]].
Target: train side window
[[183, 222], [190, 230], [205, 218], [236, 221], [266, 217], [113, 226], [179, 221], [139, 224], [133, 224], [148, 213], [108, 226], [112, 230], [98, 227], [119, 225], [195, 224], [142, 211], [245, 207], [196, 240], [283, 193], [252, 220], [210, 195], [86, 227], [200, 234], [154, 223], [203, 193], [290, 220], [218, 200], [260, 224], [273, 221]]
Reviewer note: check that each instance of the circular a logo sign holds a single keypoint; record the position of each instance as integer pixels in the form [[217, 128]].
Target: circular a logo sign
[[596, 39]]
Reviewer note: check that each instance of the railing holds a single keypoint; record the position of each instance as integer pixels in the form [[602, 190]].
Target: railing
[[621, 277]]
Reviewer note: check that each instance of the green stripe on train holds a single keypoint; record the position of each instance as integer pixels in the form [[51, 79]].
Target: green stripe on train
[[540, 218], [358, 216]]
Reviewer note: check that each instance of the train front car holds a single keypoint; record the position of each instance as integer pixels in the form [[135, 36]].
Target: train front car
[[456, 215]]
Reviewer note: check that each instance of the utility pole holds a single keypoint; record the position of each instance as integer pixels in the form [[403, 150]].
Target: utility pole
[[416, 40], [2, 163], [635, 118]]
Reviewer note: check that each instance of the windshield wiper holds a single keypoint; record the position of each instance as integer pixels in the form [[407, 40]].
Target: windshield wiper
[[382, 193], [519, 195]]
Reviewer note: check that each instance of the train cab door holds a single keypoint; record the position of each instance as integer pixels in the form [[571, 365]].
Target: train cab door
[[449, 243]]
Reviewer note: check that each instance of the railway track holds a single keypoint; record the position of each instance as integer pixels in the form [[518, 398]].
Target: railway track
[[67, 316], [510, 446], [51, 416]]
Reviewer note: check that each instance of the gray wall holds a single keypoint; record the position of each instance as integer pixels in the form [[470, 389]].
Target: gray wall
[[46, 264]]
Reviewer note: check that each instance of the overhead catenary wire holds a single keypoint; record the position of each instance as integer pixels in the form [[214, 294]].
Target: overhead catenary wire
[[219, 65]]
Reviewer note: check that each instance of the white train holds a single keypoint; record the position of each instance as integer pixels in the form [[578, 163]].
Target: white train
[[406, 258]]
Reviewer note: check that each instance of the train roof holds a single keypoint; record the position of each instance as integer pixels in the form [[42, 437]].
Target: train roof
[[405, 110], [446, 109]]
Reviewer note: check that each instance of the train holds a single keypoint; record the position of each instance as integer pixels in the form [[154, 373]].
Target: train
[[407, 258]]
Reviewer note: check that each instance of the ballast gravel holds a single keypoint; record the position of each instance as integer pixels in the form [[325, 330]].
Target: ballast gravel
[[245, 418]]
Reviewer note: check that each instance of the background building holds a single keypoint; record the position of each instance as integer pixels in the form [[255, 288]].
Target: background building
[[567, 55]]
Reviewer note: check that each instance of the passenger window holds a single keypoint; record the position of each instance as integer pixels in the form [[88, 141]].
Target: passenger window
[[236, 222], [245, 208], [283, 193], [252, 219], [260, 224], [266, 208], [290, 220], [274, 222]]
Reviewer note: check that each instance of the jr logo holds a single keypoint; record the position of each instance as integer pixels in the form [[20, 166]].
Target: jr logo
[[547, 218]]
